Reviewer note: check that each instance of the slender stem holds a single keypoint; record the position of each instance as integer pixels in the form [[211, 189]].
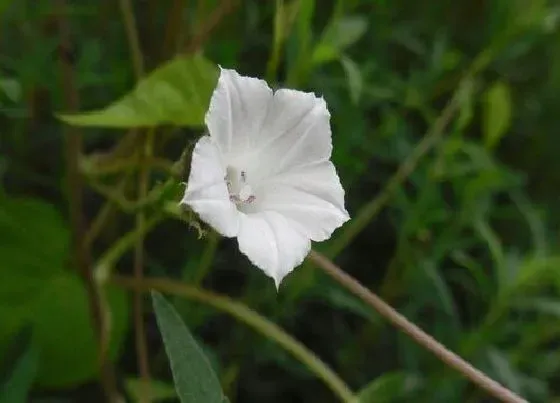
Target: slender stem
[[418, 335], [104, 215], [140, 332], [274, 58], [210, 24], [143, 183], [207, 257], [132, 36], [73, 140], [106, 168], [108, 210], [106, 263], [174, 29], [250, 318]]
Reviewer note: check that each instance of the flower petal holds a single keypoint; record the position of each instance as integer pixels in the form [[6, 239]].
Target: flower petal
[[319, 179], [237, 111], [207, 192], [272, 243], [296, 133], [314, 214]]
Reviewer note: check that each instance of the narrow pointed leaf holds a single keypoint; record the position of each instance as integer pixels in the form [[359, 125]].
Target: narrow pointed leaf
[[158, 391], [340, 35], [389, 387], [497, 113], [176, 93], [195, 381], [353, 77]]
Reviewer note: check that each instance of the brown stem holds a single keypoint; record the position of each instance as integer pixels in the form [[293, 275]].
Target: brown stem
[[174, 29], [143, 179], [418, 335], [209, 25], [82, 259], [140, 331]]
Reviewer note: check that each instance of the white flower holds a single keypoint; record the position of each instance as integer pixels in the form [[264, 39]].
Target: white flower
[[264, 174]]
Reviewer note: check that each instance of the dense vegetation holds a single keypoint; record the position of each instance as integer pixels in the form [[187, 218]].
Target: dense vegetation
[[445, 133]]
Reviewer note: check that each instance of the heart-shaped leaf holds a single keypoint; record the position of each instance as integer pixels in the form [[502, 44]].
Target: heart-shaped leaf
[[176, 93]]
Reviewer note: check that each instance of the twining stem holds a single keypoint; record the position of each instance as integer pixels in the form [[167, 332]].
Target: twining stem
[[103, 168], [206, 28], [418, 335], [143, 183], [174, 29], [250, 318], [203, 33], [132, 37], [207, 257], [106, 263], [82, 257], [141, 224]]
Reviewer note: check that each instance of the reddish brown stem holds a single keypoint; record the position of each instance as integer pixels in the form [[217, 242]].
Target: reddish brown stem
[[418, 335], [226, 6], [82, 259]]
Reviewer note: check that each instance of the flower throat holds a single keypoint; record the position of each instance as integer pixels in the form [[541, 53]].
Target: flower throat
[[240, 192]]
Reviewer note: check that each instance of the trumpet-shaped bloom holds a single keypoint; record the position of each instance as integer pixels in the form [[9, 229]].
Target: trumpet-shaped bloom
[[264, 174]]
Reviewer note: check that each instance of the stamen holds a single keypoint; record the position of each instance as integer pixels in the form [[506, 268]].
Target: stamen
[[240, 192]]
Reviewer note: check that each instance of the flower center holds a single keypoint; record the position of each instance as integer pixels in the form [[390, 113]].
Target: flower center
[[240, 192]]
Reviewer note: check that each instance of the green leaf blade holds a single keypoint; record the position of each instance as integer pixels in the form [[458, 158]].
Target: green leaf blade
[[389, 387], [497, 113], [194, 378], [177, 93], [340, 35], [36, 290]]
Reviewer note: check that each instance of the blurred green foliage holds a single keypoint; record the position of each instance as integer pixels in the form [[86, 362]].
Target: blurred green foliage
[[466, 246]]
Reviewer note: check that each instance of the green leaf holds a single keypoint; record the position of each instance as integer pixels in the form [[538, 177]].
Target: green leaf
[[389, 387], [466, 110], [341, 34], [15, 389], [11, 88], [541, 305], [194, 379], [534, 272], [4, 5], [37, 290], [158, 390], [298, 49], [503, 369], [176, 93], [29, 225], [354, 78], [496, 113], [62, 313]]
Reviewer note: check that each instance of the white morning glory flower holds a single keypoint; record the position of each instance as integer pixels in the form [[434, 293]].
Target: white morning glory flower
[[264, 174]]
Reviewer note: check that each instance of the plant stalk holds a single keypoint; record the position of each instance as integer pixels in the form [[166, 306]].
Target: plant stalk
[[448, 357], [82, 258]]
